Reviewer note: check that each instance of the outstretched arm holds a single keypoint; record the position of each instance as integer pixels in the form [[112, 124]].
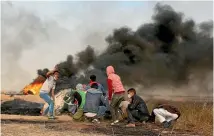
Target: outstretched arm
[[50, 73]]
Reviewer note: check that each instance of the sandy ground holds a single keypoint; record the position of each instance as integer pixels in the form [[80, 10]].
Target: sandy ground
[[32, 98], [17, 125], [39, 126], [23, 125]]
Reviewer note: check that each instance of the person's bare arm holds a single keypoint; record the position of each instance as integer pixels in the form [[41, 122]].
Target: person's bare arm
[[52, 91], [50, 73]]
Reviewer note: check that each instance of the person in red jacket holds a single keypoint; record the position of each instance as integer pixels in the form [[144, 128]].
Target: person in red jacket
[[116, 93]]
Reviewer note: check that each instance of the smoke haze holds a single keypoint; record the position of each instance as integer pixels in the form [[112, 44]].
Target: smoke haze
[[168, 51]]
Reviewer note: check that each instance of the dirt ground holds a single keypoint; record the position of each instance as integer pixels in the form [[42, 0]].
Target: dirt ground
[[22, 125]]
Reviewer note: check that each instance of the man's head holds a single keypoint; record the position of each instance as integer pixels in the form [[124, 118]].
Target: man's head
[[93, 78], [94, 85], [56, 75], [131, 92]]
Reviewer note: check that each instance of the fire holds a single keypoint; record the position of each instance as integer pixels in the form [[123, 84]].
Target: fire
[[35, 86], [32, 88]]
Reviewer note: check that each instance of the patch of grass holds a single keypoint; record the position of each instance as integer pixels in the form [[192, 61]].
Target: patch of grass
[[195, 116]]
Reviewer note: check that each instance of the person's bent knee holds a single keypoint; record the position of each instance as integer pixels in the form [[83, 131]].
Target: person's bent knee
[[50, 102], [155, 111], [175, 116]]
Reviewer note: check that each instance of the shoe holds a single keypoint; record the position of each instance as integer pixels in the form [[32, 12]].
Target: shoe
[[130, 125], [144, 119], [166, 124], [115, 122], [51, 117], [96, 121]]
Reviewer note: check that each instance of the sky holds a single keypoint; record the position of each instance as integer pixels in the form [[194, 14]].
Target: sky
[[70, 26]]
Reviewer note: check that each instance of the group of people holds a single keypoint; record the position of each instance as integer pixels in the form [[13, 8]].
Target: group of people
[[93, 102]]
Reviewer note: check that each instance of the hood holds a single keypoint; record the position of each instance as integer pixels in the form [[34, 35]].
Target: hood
[[109, 70], [94, 91], [79, 87], [91, 82]]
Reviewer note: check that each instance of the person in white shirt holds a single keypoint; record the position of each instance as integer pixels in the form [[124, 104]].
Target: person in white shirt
[[47, 91]]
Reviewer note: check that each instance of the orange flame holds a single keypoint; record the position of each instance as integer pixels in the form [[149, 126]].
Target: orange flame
[[35, 86]]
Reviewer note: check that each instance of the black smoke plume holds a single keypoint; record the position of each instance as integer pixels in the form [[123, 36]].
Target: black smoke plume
[[42, 72], [161, 52]]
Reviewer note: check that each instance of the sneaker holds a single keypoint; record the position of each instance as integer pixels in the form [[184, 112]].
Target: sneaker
[[51, 117], [130, 125], [96, 121], [166, 124], [115, 122]]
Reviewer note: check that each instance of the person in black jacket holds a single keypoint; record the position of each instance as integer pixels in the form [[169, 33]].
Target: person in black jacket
[[137, 109]]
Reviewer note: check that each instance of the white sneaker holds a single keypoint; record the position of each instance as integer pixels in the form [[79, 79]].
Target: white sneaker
[[115, 122], [95, 121]]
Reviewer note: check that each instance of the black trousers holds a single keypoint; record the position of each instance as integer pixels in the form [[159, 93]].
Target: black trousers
[[135, 116]]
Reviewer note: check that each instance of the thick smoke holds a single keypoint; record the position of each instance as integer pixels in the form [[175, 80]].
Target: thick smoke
[[69, 69], [23, 32], [17, 34], [167, 51], [42, 72]]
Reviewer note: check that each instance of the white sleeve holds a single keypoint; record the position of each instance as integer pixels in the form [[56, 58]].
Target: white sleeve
[[54, 85]]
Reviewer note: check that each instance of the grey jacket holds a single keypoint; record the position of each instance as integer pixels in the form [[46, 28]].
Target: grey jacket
[[94, 99]]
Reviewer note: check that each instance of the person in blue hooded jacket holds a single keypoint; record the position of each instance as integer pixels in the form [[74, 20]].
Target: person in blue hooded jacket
[[93, 79], [95, 104]]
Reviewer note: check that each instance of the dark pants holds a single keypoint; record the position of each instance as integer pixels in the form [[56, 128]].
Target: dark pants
[[114, 106], [135, 115]]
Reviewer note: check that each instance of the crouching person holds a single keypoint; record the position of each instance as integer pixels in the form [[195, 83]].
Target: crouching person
[[80, 96], [95, 105], [137, 110], [165, 114]]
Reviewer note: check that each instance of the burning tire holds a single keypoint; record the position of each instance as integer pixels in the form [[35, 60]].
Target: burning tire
[[34, 87]]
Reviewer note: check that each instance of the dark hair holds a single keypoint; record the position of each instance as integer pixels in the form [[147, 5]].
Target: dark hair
[[132, 90], [93, 77], [94, 85], [56, 72]]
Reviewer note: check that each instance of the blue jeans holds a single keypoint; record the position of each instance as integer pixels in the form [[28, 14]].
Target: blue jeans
[[101, 111], [47, 98]]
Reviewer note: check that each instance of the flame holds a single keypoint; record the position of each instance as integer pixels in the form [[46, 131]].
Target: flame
[[32, 88], [35, 86]]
